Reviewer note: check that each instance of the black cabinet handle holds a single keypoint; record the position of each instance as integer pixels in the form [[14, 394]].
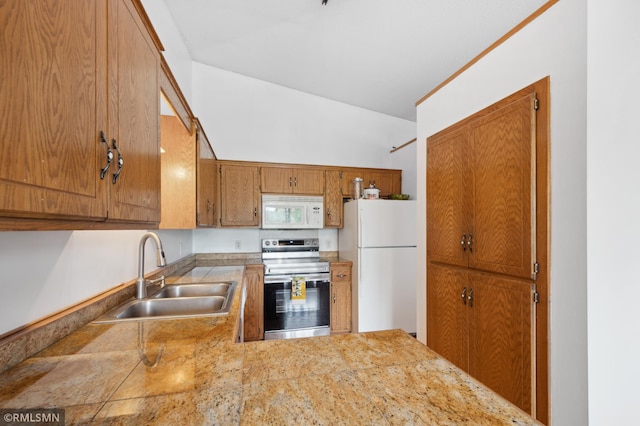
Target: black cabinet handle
[[116, 175], [104, 170]]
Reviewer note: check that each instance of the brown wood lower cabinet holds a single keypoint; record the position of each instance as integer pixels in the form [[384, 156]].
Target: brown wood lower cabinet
[[254, 305], [483, 324], [340, 297]]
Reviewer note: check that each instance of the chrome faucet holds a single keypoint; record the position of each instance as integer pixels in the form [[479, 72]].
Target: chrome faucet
[[141, 283]]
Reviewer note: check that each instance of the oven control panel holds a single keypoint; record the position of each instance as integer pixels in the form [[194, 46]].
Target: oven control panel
[[291, 245]]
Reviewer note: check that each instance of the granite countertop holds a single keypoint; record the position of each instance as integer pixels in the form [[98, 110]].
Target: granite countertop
[[189, 371]]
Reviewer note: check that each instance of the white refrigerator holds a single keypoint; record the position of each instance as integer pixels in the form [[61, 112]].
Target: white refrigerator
[[379, 237]]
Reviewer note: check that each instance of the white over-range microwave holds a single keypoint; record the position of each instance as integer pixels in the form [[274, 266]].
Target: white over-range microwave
[[292, 212]]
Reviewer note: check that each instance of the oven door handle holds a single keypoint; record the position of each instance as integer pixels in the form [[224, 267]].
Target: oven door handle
[[279, 279]]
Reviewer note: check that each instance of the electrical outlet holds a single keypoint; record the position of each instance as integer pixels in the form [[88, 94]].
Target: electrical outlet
[[328, 244], [238, 245]]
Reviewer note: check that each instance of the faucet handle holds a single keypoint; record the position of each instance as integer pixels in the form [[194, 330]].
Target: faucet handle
[[160, 279]]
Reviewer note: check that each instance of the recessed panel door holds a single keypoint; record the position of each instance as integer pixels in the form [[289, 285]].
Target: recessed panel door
[[503, 192], [501, 337], [448, 180]]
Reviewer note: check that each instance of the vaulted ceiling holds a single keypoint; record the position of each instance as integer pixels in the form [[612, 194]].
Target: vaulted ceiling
[[375, 54]]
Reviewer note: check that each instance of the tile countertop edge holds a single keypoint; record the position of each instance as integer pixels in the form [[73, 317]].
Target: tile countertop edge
[[20, 344]]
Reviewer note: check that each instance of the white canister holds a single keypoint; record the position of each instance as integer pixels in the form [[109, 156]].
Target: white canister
[[371, 193]]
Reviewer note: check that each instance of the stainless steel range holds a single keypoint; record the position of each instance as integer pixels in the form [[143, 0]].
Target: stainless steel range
[[296, 289]]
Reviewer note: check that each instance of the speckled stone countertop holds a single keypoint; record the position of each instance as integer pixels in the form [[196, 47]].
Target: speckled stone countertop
[[189, 372]]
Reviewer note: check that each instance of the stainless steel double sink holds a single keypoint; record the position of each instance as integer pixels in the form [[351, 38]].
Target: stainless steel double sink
[[177, 301]]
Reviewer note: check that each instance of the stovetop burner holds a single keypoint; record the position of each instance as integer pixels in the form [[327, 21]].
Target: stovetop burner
[[290, 256]]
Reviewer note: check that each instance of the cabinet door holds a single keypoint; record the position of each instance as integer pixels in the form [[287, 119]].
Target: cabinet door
[[447, 201], [207, 183], [276, 180], [348, 175], [178, 192], [52, 109], [503, 192], [254, 305], [308, 181], [447, 317], [388, 182], [501, 337], [239, 195], [340, 297], [333, 199], [134, 120]]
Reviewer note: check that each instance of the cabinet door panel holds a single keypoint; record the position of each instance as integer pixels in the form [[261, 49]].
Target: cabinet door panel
[[178, 175], [447, 314], [239, 196], [500, 336], [503, 167], [276, 180], [333, 200], [447, 189], [53, 107], [254, 305], [307, 181], [348, 175], [135, 116], [207, 183]]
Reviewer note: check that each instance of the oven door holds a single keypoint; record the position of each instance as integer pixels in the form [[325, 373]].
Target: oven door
[[287, 318]]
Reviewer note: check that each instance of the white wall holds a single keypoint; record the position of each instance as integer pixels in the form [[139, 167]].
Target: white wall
[[250, 119], [175, 52], [253, 120], [613, 211], [44, 272], [406, 160], [554, 44], [226, 240]]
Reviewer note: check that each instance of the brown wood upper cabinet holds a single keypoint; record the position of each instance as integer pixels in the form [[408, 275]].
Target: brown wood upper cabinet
[[178, 174], [279, 180], [80, 80], [388, 181], [333, 204], [208, 188], [189, 166], [239, 194], [481, 192]]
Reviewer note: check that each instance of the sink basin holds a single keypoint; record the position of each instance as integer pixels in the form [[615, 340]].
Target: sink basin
[[193, 290], [176, 301]]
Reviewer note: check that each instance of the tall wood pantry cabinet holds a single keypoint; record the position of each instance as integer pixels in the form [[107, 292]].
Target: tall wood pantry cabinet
[[481, 246], [79, 113]]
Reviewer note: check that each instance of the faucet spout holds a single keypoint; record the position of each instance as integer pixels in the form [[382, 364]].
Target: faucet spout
[[141, 283]]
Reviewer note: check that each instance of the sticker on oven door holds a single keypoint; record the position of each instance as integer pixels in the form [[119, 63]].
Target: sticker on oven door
[[298, 290]]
